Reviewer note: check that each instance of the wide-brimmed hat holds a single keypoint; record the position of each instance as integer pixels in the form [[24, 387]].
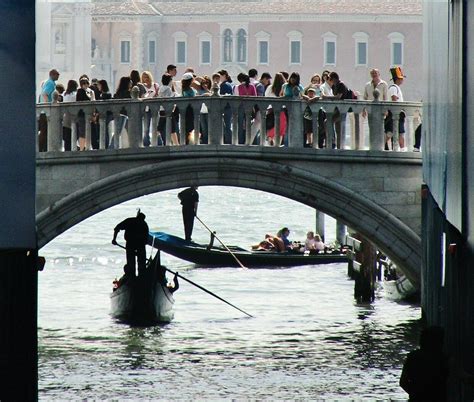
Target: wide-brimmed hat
[[397, 73]]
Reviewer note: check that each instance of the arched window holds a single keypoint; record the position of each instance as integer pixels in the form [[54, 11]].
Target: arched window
[[241, 46], [227, 46]]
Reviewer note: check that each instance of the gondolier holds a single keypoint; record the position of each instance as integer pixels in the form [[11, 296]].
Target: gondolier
[[189, 200], [136, 235]]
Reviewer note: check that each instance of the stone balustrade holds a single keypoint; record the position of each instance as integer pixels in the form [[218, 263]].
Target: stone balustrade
[[362, 122]]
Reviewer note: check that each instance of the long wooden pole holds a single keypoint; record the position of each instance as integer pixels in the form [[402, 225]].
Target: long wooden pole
[[220, 241], [200, 287]]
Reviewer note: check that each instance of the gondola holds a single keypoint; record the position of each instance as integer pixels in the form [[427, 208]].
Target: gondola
[[145, 299], [210, 255]]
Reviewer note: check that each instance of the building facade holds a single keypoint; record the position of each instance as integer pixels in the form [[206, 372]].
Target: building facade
[[448, 214], [270, 35]]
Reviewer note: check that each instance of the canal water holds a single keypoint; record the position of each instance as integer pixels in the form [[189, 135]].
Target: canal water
[[308, 339]]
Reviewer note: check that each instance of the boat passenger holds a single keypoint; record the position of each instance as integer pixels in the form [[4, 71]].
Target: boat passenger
[[265, 245], [318, 243], [283, 236], [309, 244], [136, 236]]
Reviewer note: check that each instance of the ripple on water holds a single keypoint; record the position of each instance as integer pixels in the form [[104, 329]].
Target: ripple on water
[[308, 339]]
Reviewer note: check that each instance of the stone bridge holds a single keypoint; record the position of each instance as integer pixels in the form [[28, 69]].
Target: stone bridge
[[374, 192]]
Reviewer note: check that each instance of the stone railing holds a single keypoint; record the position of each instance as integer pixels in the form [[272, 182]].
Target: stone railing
[[127, 123]]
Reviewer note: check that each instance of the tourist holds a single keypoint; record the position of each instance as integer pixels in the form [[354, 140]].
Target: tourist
[[46, 96], [95, 87], [245, 88], [308, 118], [136, 237], [326, 91], [187, 91], [189, 200], [263, 84], [339, 92], [151, 91], [58, 93], [84, 94], [292, 89], [166, 91], [314, 83], [136, 82], [204, 89], [395, 95], [376, 83], [226, 89], [69, 96], [48, 87], [273, 91], [104, 94], [122, 92]]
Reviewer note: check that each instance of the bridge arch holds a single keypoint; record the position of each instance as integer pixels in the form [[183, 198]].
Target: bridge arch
[[399, 242]]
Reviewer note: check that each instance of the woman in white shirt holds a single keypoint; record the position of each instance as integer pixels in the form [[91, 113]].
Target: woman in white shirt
[[151, 88], [166, 91], [68, 96]]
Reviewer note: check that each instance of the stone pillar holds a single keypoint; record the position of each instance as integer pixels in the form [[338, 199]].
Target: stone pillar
[[340, 232], [320, 229]]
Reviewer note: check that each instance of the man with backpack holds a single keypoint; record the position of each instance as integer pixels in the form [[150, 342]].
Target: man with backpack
[[395, 95]]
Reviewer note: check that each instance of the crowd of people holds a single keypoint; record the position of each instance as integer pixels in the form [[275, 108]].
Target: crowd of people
[[325, 86]]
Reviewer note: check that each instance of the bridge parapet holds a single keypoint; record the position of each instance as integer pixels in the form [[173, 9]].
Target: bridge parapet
[[229, 120]]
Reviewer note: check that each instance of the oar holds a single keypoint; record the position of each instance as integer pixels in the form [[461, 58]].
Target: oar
[[200, 287], [220, 241], [207, 291]]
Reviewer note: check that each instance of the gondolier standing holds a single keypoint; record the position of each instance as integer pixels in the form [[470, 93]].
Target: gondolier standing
[[189, 200], [136, 235]]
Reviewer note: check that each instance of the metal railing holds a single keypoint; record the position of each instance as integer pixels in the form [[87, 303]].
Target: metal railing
[[250, 121]]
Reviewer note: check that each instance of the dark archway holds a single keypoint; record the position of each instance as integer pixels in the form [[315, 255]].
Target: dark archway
[[387, 232]]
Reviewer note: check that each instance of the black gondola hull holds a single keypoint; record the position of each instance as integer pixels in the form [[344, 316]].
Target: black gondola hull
[[220, 257]]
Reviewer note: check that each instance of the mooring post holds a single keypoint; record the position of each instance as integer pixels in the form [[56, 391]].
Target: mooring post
[[364, 286], [340, 232], [320, 229]]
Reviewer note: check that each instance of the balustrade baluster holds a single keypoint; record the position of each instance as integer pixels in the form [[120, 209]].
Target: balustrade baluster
[[276, 137], [182, 124], [357, 132], [135, 124], [73, 132], [248, 126], [314, 122], [235, 125], [330, 133], [396, 139], [197, 123], [215, 122], [88, 116], [263, 124], [154, 126], [295, 124], [55, 128], [376, 127], [102, 130], [341, 135]]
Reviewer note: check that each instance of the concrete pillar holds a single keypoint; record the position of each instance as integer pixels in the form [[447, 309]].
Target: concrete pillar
[[340, 232], [320, 229], [18, 275], [18, 332]]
